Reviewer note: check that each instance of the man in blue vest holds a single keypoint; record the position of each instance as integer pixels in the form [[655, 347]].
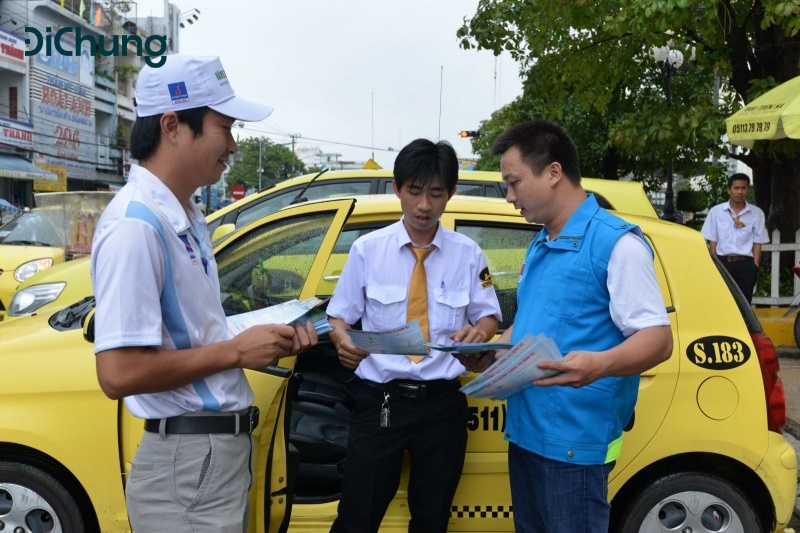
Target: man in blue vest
[[588, 282]]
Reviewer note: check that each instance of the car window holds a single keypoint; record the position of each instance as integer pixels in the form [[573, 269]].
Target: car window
[[602, 201], [470, 189], [316, 191], [41, 226], [504, 246], [465, 188], [750, 318], [333, 269], [214, 225], [270, 265]]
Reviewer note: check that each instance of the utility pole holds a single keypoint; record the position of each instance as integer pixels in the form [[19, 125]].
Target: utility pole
[[294, 137], [260, 170]]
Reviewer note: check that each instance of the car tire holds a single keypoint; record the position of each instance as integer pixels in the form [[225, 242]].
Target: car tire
[[689, 501], [33, 500], [797, 329]]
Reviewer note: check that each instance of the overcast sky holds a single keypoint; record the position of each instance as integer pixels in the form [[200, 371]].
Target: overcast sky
[[356, 72]]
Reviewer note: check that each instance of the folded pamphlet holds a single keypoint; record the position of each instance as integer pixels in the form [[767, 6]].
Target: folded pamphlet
[[405, 340], [290, 312], [516, 369], [470, 347]]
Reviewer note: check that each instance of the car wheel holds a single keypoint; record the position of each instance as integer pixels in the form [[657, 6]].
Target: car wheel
[[691, 501], [33, 500], [797, 329]]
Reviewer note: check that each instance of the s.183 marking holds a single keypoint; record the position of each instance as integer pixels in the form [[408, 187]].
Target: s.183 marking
[[718, 352]]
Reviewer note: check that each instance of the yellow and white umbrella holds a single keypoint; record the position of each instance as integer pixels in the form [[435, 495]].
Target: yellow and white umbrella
[[773, 115]]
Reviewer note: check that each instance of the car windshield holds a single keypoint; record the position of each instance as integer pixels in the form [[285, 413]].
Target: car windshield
[[44, 227]]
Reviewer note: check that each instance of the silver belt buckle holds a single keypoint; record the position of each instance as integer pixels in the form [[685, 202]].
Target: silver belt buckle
[[252, 418], [408, 390]]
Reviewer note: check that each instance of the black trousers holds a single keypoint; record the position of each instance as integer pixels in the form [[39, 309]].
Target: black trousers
[[434, 432], [744, 274]]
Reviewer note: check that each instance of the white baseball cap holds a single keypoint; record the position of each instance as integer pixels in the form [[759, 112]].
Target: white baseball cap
[[188, 82]]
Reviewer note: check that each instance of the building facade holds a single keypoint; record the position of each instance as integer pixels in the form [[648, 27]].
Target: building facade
[[66, 108]]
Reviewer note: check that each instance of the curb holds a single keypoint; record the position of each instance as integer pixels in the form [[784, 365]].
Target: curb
[[792, 428], [778, 328]]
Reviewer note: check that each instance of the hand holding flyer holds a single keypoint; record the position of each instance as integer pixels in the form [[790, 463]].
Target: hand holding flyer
[[284, 313], [516, 369]]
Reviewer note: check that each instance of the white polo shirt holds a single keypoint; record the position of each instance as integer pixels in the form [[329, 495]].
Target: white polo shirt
[[720, 227], [156, 284], [373, 287]]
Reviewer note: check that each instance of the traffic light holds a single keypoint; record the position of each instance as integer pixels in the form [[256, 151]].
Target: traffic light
[[469, 133]]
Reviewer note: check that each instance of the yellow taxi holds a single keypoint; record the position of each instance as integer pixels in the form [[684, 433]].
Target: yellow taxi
[[63, 285], [337, 183], [59, 230], [706, 451], [30, 243]]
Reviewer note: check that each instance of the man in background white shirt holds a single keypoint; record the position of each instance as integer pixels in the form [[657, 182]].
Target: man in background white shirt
[[735, 231]]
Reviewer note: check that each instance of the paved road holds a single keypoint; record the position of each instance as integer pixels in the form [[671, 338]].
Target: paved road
[[790, 376]]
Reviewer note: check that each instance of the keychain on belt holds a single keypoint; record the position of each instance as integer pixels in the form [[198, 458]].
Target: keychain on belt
[[385, 411]]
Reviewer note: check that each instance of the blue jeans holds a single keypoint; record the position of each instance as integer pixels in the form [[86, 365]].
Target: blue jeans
[[554, 497]]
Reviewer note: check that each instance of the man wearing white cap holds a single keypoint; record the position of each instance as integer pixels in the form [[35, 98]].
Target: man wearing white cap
[[160, 332]]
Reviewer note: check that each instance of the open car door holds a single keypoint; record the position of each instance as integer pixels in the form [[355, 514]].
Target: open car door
[[276, 259]]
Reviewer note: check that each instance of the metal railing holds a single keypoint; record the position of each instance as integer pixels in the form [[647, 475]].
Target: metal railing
[[775, 248]]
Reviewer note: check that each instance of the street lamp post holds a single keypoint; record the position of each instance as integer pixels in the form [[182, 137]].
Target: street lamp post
[[669, 61], [260, 170]]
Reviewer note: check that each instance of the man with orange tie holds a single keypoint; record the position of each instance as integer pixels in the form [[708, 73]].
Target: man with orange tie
[[414, 269]]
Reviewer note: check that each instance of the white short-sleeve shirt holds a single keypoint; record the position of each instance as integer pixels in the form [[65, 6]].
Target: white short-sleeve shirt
[[156, 284], [638, 305], [720, 227], [373, 287]]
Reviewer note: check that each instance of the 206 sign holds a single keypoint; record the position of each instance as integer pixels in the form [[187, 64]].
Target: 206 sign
[[67, 137], [718, 352]]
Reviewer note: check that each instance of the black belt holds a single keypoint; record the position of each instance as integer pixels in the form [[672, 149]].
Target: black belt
[[733, 258], [414, 389], [232, 423]]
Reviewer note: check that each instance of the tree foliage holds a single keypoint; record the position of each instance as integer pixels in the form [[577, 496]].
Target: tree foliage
[[277, 162], [587, 64]]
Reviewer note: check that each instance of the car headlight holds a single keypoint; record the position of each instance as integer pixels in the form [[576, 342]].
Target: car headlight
[[31, 298], [30, 268]]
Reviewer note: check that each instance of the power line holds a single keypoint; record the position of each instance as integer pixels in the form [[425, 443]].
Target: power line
[[340, 143]]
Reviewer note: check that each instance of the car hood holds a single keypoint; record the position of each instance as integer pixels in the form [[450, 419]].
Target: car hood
[[39, 356], [14, 255]]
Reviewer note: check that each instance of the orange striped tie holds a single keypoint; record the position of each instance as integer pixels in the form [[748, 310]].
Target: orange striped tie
[[418, 296]]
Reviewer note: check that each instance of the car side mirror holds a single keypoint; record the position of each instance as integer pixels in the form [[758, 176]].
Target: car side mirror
[[88, 326], [222, 231]]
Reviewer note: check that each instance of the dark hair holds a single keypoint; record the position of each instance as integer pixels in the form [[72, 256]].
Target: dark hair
[[739, 176], [146, 131], [541, 142], [421, 161]]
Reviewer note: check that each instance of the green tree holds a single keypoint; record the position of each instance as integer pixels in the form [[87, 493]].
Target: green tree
[[590, 62], [277, 162]]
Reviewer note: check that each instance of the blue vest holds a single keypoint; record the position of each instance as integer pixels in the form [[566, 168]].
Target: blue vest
[[563, 294]]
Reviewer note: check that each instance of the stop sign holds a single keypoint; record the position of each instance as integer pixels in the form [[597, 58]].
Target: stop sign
[[237, 192]]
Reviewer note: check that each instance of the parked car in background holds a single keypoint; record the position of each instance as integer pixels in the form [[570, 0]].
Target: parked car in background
[[57, 286], [625, 196], [64, 286], [706, 451], [59, 229]]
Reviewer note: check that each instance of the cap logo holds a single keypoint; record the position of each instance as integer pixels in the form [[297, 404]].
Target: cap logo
[[178, 92], [222, 78]]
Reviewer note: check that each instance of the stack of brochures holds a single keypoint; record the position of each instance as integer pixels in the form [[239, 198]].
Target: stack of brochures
[[289, 312], [407, 339], [516, 369]]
